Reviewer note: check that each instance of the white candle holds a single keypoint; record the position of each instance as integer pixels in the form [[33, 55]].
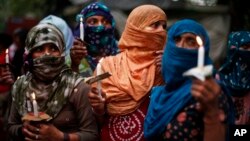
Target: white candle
[[35, 110], [98, 72], [28, 102], [201, 53], [81, 29], [7, 59]]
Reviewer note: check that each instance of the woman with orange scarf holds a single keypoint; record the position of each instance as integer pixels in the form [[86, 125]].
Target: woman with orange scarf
[[135, 71]]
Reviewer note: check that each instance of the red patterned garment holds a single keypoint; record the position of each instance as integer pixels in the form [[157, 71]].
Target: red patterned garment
[[126, 127]]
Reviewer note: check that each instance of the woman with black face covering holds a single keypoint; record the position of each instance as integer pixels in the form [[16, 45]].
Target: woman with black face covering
[[59, 92]]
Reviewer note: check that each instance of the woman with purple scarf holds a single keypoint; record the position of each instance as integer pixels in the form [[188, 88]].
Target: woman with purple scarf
[[99, 38]]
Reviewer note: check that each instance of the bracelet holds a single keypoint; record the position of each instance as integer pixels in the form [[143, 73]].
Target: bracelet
[[66, 137]]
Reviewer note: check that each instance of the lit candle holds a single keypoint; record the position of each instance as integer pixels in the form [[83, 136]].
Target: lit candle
[[35, 110], [28, 102], [98, 72], [81, 29], [201, 52], [7, 59]]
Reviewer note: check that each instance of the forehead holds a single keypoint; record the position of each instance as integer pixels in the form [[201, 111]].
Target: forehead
[[98, 17], [188, 34]]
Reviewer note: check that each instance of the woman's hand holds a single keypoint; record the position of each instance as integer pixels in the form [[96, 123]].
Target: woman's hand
[[77, 53], [207, 93], [97, 102], [158, 58], [41, 132], [6, 77]]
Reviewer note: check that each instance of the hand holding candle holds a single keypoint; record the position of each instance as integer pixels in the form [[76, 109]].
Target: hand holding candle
[[201, 53], [201, 71], [98, 72], [35, 110]]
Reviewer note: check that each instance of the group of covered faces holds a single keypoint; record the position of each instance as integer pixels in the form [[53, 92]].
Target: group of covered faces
[[134, 73]]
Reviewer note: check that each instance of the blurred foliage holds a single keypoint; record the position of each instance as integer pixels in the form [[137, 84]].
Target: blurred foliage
[[19, 8]]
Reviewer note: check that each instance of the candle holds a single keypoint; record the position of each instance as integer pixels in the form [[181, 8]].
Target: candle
[[81, 29], [7, 59], [35, 110], [201, 53], [28, 102], [98, 72]]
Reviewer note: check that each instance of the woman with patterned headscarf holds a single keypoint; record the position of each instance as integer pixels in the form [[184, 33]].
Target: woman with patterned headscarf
[[186, 109], [134, 72], [59, 92], [99, 37], [235, 74]]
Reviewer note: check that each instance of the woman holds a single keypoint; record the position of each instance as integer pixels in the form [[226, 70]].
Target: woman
[[99, 31], [59, 92], [134, 72], [235, 74], [185, 109]]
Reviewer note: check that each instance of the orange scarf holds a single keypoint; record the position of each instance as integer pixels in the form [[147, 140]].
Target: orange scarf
[[134, 70]]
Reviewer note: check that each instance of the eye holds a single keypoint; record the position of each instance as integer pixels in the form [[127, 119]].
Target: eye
[[105, 22], [192, 42], [164, 26], [155, 25], [92, 21], [38, 49], [177, 39], [245, 47], [158, 24], [53, 48]]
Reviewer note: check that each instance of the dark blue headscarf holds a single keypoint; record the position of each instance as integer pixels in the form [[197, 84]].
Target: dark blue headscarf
[[101, 41], [166, 101], [235, 73]]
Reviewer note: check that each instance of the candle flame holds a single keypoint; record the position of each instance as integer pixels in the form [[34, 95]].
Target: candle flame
[[100, 60], [199, 41], [81, 19], [33, 96], [7, 51]]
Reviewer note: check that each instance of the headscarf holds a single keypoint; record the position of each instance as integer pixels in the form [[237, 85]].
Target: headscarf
[[166, 101], [60, 80], [235, 73], [63, 27], [100, 40], [134, 71]]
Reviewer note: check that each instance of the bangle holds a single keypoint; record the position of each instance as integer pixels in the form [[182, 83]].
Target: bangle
[[66, 137]]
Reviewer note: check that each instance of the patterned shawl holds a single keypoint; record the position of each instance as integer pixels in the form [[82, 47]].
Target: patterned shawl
[[101, 41], [166, 101], [51, 96], [235, 73], [134, 71]]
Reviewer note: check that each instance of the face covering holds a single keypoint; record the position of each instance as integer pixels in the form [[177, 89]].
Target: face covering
[[47, 68], [100, 41], [237, 74]]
